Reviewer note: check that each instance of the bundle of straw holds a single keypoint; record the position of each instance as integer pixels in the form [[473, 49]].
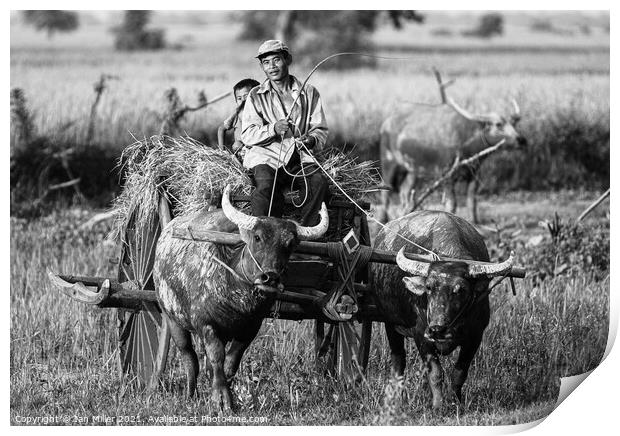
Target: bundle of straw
[[193, 176], [357, 179]]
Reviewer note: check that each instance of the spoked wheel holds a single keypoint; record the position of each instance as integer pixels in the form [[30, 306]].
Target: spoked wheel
[[144, 335], [344, 346]]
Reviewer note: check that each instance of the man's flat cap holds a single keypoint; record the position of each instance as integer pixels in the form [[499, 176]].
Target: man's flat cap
[[272, 46]]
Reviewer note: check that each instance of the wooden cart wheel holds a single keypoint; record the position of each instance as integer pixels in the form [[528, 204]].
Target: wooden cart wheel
[[144, 335], [346, 345]]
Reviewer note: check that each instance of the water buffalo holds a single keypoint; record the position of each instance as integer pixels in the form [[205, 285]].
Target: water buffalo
[[442, 305], [200, 296], [426, 141]]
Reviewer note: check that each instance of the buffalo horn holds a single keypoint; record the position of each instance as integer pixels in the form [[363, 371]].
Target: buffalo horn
[[315, 232], [481, 118], [517, 111], [411, 266], [243, 221], [495, 269]]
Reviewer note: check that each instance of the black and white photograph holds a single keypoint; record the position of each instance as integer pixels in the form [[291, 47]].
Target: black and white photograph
[[306, 217]]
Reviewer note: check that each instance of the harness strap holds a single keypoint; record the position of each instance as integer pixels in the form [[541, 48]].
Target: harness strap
[[245, 247], [232, 271], [246, 280]]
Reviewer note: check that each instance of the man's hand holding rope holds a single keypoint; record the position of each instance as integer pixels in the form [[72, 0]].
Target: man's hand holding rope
[[309, 141], [282, 126]]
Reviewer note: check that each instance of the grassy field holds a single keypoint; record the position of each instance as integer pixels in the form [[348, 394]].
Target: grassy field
[[63, 355], [64, 358]]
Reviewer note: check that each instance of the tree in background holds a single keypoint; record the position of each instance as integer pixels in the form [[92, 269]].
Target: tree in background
[[132, 34], [489, 25], [317, 34], [51, 21]]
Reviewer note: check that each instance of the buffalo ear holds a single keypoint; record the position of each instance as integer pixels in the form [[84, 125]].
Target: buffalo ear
[[415, 284]]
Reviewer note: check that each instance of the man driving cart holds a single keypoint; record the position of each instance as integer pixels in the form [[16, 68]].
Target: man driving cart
[[281, 125]]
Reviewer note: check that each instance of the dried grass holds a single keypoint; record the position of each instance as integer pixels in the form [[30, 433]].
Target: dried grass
[[193, 176]]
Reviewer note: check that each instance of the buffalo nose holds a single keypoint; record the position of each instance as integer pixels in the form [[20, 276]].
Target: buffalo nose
[[268, 277], [436, 330], [521, 141]]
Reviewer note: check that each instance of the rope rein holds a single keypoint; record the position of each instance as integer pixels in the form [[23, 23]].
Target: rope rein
[[245, 248]]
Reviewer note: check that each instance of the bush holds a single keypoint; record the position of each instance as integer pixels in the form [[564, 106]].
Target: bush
[[542, 25], [52, 21], [573, 249], [545, 26], [258, 25], [145, 40], [442, 32], [132, 34], [36, 166], [324, 33], [488, 26]]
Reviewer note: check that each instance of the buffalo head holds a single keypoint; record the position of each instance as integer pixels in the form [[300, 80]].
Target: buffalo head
[[270, 241], [451, 289], [493, 127]]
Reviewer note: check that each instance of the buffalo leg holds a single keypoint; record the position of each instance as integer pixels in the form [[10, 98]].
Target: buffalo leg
[[220, 393], [183, 340], [461, 367], [450, 195], [397, 350], [235, 353], [433, 370], [382, 209], [388, 176], [472, 201], [206, 362], [407, 191]]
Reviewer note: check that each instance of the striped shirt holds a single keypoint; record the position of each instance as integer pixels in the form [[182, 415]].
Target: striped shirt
[[263, 108]]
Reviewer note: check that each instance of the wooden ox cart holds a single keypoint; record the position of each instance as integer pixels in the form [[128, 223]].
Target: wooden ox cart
[[326, 282]]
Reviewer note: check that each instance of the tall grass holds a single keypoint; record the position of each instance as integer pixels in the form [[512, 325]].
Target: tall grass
[[63, 356]]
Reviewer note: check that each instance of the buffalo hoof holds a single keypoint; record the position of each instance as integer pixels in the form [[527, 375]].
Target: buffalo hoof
[[222, 398]]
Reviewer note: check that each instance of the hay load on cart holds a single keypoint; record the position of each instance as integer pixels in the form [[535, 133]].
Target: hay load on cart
[[192, 176]]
